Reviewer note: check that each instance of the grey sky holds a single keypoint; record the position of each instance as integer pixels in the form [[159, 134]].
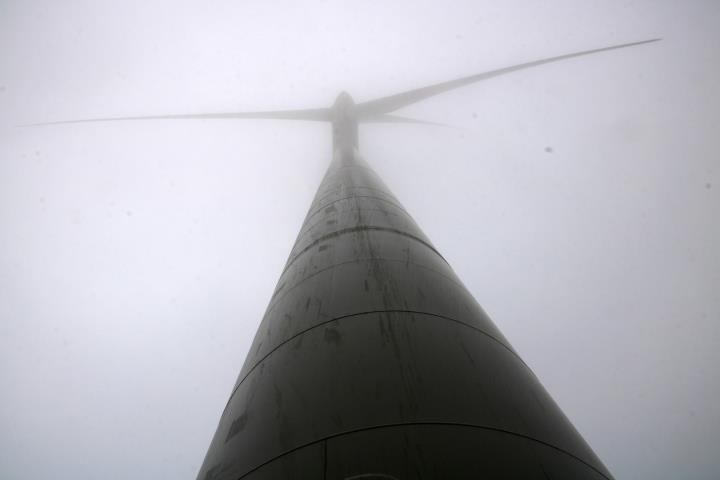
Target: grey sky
[[579, 202]]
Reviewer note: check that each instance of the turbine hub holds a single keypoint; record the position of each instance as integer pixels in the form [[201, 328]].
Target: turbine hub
[[344, 103], [345, 126]]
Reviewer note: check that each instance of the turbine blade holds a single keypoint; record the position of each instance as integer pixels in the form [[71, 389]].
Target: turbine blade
[[385, 118], [315, 114], [394, 102]]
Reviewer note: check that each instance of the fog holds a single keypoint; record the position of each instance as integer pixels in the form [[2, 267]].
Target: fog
[[578, 201]]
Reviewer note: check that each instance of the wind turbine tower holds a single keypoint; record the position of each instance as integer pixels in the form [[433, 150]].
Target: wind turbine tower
[[373, 361]]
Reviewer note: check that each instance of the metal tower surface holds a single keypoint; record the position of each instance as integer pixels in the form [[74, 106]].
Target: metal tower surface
[[373, 361]]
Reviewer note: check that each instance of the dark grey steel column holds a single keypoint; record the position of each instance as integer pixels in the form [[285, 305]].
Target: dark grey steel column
[[374, 361]]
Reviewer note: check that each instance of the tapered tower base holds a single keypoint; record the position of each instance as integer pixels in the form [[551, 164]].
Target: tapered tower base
[[373, 361]]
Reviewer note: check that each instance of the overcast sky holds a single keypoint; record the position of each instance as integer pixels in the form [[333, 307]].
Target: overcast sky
[[579, 202]]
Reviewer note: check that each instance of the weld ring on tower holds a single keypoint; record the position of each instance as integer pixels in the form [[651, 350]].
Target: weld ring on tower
[[345, 231]]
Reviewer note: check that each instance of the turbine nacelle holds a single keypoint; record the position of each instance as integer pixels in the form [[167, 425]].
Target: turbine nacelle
[[344, 104], [344, 127]]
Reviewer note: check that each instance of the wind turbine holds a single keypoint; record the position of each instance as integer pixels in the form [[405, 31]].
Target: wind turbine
[[373, 361]]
